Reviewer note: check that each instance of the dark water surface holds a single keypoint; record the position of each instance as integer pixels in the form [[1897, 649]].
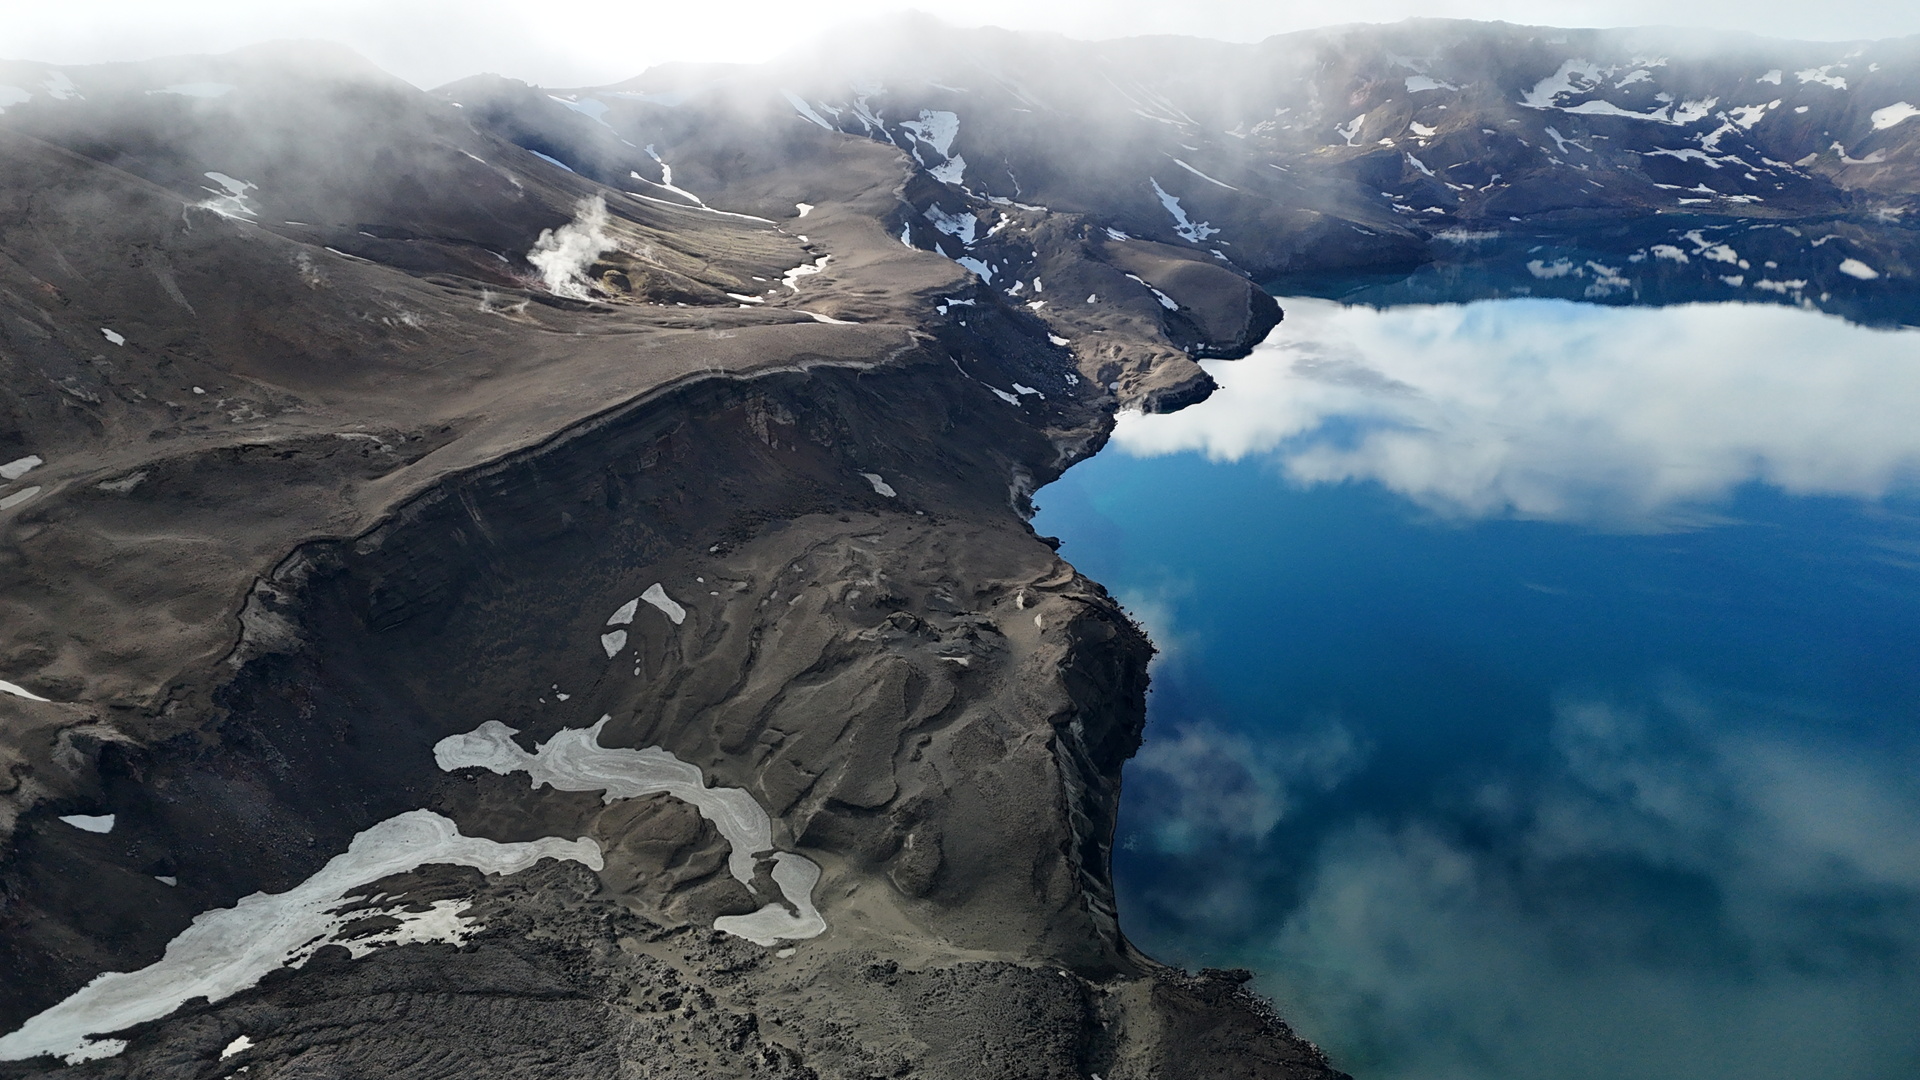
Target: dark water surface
[[1540, 687]]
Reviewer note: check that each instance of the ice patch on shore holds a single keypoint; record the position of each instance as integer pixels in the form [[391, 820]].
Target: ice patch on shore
[[228, 950], [574, 760]]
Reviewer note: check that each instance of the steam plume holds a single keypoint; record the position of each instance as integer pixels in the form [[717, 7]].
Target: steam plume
[[564, 254]]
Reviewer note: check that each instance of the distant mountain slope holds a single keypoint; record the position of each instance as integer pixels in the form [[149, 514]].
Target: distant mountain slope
[[1645, 164]]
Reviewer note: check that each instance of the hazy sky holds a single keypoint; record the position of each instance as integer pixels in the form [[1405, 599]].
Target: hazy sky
[[434, 41]]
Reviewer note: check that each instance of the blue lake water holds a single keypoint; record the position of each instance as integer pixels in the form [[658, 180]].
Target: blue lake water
[[1539, 687]]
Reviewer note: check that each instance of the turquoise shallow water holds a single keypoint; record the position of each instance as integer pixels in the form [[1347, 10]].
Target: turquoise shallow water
[[1539, 689]]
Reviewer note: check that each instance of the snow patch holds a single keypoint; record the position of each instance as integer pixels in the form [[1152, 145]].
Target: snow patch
[[1204, 176], [574, 760], [656, 595], [623, 614], [592, 108], [59, 87], [963, 227], [228, 950], [791, 279], [19, 467], [230, 198], [880, 486], [953, 172], [978, 267], [613, 641], [800, 106], [1193, 232], [1893, 114], [1854, 268], [234, 1047], [19, 691], [113, 337], [936, 128], [93, 823], [197, 89], [1420, 83], [1822, 75], [1165, 300]]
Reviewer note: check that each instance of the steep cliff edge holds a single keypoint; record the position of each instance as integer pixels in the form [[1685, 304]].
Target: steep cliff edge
[[750, 488]]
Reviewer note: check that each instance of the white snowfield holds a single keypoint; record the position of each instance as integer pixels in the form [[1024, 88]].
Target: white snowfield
[[1582, 77], [19, 691], [880, 485], [1893, 114], [574, 760], [93, 823], [228, 950]]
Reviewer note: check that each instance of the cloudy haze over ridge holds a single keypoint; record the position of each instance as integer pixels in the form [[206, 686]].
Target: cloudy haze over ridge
[[430, 42]]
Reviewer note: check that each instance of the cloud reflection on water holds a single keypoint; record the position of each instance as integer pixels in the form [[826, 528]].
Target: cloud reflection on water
[[1560, 411], [1735, 898]]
